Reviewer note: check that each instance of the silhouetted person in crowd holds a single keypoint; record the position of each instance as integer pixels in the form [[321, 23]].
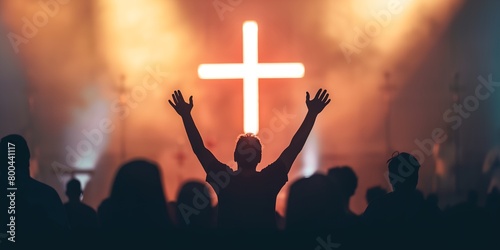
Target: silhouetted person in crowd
[[137, 200], [194, 209], [403, 214], [80, 215], [36, 207], [374, 193], [468, 213], [247, 198], [311, 205], [344, 183]]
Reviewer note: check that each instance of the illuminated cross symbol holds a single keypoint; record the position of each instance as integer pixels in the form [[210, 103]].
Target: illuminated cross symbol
[[250, 71]]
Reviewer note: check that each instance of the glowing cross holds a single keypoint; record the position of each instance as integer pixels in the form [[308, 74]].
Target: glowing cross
[[250, 71]]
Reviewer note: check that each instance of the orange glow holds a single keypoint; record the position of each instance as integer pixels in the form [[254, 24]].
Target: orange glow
[[250, 71], [133, 38]]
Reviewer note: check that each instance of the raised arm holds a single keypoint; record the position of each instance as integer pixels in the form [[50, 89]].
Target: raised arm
[[184, 110], [314, 106]]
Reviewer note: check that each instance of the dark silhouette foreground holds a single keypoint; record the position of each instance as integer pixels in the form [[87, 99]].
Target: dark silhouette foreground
[[35, 206], [137, 200]]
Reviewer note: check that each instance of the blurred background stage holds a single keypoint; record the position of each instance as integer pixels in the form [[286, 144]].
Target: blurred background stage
[[87, 83]]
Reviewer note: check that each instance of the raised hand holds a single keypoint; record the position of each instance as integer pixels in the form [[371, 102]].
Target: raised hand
[[181, 107], [319, 102]]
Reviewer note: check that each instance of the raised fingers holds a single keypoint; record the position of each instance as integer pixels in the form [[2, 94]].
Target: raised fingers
[[321, 97], [326, 98], [174, 97], [317, 94], [171, 104], [181, 98]]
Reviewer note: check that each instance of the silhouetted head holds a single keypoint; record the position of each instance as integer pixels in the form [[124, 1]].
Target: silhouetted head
[[137, 198], [374, 193], [344, 180], [311, 205], [403, 171], [248, 151], [138, 180], [194, 195], [74, 190], [15, 146]]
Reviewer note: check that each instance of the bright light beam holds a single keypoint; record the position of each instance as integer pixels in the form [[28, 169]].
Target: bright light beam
[[310, 160], [250, 71]]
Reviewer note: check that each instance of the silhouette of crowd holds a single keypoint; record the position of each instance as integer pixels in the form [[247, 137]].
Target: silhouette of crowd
[[318, 214]]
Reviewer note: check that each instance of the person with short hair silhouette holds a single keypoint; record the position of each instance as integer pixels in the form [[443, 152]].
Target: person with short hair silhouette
[[344, 183], [38, 210], [137, 199], [80, 215], [247, 198], [403, 214], [194, 209], [311, 206], [405, 204]]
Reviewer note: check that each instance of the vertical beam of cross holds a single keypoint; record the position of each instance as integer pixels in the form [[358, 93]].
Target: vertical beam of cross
[[250, 80], [250, 71]]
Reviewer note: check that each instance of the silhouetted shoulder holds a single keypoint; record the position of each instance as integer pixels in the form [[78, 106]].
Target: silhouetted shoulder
[[47, 197], [215, 167], [277, 171], [104, 213], [401, 208], [88, 209]]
